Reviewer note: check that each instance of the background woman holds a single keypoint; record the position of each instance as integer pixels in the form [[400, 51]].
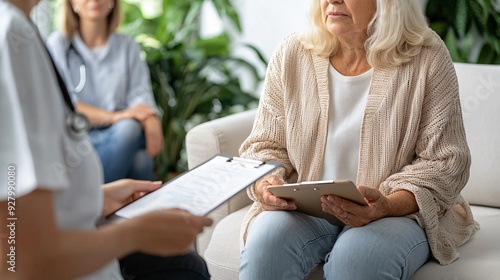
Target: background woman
[[110, 84]]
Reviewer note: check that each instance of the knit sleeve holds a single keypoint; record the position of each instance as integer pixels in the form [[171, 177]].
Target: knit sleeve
[[267, 141], [442, 160]]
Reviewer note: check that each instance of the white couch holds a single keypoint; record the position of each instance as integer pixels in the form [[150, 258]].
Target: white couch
[[479, 258]]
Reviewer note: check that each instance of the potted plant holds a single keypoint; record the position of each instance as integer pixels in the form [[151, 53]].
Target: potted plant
[[470, 28], [193, 78]]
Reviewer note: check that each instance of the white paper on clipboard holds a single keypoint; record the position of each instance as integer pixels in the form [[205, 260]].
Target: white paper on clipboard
[[201, 189]]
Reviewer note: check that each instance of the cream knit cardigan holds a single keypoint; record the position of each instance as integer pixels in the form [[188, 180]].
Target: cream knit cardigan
[[412, 136]]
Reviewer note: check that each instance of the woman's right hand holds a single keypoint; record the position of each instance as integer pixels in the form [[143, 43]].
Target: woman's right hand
[[165, 232], [269, 201]]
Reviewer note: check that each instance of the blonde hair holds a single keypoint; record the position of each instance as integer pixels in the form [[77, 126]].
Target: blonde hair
[[71, 20], [396, 33]]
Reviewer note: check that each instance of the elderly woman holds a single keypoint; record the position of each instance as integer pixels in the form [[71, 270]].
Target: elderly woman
[[367, 94]]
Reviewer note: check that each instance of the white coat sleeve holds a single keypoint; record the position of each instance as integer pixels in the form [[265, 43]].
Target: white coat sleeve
[[31, 112]]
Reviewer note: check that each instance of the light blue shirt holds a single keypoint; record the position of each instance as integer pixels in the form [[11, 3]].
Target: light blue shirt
[[114, 78]]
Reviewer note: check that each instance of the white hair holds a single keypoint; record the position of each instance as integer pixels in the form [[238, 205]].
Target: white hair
[[396, 33]]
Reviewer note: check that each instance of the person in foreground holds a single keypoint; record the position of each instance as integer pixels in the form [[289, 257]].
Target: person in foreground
[[110, 84], [369, 94], [50, 185]]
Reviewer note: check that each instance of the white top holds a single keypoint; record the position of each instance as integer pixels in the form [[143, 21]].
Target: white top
[[115, 76], [348, 96], [35, 141]]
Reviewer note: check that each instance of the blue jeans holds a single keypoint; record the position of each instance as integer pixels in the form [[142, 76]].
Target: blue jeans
[[122, 150], [140, 266], [288, 245]]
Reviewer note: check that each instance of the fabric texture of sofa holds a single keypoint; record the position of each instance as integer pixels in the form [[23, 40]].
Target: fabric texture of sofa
[[479, 258]]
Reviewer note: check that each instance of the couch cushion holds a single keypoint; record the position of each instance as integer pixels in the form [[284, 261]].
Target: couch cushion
[[479, 258], [480, 99], [482, 252]]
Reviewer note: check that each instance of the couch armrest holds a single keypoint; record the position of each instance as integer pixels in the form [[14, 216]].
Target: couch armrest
[[480, 98], [220, 136]]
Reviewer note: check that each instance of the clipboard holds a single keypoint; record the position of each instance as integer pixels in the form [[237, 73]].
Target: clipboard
[[201, 189], [307, 196]]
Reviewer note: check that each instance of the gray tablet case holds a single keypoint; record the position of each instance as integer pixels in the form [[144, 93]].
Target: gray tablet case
[[307, 196]]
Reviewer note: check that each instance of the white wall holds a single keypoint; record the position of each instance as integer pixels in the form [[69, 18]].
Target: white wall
[[266, 23]]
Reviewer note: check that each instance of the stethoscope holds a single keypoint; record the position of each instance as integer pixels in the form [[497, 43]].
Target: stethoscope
[[77, 123], [82, 69]]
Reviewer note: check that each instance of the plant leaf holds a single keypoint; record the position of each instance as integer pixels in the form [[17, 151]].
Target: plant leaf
[[226, 10], [461, 18]]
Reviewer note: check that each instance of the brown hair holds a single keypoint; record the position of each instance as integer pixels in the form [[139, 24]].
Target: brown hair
[[71, 20]]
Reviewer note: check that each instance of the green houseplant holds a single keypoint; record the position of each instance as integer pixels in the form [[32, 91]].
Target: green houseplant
[[470, 28], [193, 78]]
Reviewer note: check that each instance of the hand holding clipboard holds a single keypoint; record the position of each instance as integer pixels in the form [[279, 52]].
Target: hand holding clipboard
[[201, 189], [307, 196]]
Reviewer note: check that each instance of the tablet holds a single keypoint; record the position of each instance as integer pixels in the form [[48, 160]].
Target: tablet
[[201, 189], [307, 196]]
